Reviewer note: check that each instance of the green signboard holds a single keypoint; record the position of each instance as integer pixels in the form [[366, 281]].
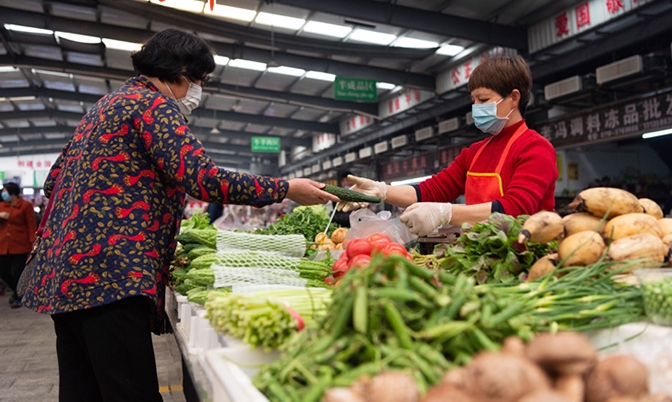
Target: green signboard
[[266, 144], [355, 89]]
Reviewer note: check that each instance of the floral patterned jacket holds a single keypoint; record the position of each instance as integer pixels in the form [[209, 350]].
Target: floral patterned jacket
[[118, 189]]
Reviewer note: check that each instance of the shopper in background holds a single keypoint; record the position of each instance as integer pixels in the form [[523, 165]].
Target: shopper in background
[[17, 234], [513, 171], [102, 265]]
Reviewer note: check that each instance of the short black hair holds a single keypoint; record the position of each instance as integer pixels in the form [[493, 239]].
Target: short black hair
[[12, 188], [171, 54]]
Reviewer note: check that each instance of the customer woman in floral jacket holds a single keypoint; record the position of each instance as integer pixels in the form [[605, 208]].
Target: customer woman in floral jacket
[[119, 189]]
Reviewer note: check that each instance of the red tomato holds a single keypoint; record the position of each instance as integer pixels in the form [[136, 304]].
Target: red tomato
[[341, 265], [359, 261], [394, 248], [329, 280], [338, 274], [357, 247], [378, 241]]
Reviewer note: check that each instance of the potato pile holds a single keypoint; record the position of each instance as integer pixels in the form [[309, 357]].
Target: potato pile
[[335, 242], [632, 229], [562, 367]]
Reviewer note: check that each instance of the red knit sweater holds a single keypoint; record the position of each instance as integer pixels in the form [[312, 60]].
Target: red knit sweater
[[528, 175]]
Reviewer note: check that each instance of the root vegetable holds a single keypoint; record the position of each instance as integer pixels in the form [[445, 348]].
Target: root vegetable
[[319, 237], [616, 376], [544, 266], [455, 377], [581, 249], [658, 397], [631, 224], [665, 225], [326, 244], [581, 222], [571, 387], [342, 394], [392, 386], [447, 393], [545, 395], [651, 207], [502, 377], [562, 354], [339, 235], [600, 200], [542, 227], [644, 245], [513, 346]]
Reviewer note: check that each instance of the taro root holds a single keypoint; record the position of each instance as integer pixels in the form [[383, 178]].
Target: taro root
[[447, 393], [616, 376], [501, 377], [342, 394], [392, 386], [455, 377], [513, 346], [571, 387], [657, 397], [544, 395], [563, 353]]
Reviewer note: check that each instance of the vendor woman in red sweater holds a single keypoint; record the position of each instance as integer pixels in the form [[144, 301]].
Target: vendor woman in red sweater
[[513, 171]]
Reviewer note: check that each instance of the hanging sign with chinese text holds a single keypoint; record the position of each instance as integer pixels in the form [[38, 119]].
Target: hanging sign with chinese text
[[266, 144], [622, 120], [402, 102], [576, 19], [458, 76], [420, 165], [354, 124], [355, 89]]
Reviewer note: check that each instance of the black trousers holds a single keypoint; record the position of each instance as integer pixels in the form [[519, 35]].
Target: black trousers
[[11, 267], [105, 354]]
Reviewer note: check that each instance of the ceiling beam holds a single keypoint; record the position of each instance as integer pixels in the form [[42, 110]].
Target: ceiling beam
[[352, 142], [222, 115], [222, 28], [13, 16], [420, 20], [201, 133]]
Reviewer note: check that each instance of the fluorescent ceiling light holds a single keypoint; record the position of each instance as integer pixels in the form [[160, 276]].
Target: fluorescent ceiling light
[[449, 50], [185, 5], [279, 21], [385, 85], [22, 98], [409, 181], [221, 60], [378, 38], [415, 43], [294, 72], [659, 133], [7, 69], [234, 13], [21, 28], [322, 28], [317, 75], [247, 64], [55, 73], [121, 45], [78, 38]]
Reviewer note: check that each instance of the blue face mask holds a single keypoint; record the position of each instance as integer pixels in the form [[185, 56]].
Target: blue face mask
[[5, 196], [486, 119]]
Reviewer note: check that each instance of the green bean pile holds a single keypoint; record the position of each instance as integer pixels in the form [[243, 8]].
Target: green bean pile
[[396, 315]]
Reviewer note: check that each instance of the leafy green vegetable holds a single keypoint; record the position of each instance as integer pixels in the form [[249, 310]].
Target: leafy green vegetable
[[490, 252], [305, 220], [197, 220]]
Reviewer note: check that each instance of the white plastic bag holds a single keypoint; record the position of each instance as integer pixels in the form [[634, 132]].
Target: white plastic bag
[[364, 222]]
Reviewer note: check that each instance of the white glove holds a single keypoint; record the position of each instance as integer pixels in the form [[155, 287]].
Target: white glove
[[422, 218], [366, 187]]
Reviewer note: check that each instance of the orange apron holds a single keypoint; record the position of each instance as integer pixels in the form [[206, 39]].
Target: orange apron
[[487, 187]]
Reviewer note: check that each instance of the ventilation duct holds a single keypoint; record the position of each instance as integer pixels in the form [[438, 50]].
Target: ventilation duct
[[399, 141], [622, 68], [449, 125], [564, 87]]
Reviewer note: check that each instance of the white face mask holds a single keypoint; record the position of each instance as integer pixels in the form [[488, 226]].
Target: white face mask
[[190, 100]]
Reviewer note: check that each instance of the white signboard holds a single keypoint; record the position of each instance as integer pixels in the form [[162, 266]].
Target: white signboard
[[354, 124], [458, 76], [577, 19], [402, 102]]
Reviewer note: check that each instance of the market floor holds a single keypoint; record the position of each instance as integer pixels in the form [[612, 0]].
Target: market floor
[[28, 365]]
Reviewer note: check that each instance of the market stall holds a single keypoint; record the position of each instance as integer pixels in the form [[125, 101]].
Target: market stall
[[258, 327]]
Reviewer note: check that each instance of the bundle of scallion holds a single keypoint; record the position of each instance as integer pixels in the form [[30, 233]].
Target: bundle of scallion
[[266, 319]]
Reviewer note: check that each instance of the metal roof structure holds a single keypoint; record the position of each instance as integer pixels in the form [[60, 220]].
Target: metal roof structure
[[277, 61]]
